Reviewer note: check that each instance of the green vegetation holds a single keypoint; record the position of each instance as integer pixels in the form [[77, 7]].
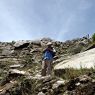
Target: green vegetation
[[93, 37], [76, 50], [73, 73]]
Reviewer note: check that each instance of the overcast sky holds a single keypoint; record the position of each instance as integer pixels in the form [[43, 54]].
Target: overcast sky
[[57, 19]]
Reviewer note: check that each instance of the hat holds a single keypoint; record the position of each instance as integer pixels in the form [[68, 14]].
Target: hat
[[49, 43]]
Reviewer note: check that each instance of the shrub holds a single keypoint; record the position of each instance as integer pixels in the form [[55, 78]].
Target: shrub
[[93, 37]]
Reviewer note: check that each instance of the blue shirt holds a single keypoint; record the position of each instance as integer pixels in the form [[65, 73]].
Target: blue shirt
[[48, 55]]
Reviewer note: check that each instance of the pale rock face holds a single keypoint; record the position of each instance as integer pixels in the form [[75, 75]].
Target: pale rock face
[[41, 93], [58, 83], [16, 66], [16, 71], [81, 60]]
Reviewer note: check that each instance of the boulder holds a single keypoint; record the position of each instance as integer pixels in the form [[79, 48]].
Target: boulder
[[58, 83], [17, 72], [41, 93], [21, 44], [82, 60]]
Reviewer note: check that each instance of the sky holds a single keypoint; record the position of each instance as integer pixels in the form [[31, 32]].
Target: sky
[[57, 19]]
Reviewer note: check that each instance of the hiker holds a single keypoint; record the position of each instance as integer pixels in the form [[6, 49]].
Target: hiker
[[48, 55]]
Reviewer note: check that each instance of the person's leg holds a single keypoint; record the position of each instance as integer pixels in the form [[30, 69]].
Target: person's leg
[[49, 67], [44, 68]]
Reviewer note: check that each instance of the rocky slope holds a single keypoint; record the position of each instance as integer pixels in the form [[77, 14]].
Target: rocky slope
[[20, 68]]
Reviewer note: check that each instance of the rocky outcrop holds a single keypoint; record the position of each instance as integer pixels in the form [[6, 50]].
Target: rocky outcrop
[[21, 44], [20, 68], [82, 60]]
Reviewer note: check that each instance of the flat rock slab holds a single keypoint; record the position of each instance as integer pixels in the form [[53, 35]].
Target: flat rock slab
[[82, 60], [19, 72], [16, 66]]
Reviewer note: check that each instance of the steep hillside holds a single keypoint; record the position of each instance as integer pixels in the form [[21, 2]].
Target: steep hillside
[[20, 66]]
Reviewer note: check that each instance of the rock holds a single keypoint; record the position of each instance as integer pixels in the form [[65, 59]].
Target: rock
[[46, 40], [21, 44], [58, 83], [82, 85], [84, 79], [82, 43], [38, 77], [57, 44], [44, 89], [41, 93], [35, 50], [82, 60], [58, 60], [71, 85], [17, 72], [16, 66], [91, 47], [6, 51], [36, 42], [78, 84], [5, 89]]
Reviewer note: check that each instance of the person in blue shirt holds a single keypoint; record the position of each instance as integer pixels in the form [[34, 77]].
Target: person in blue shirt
[[48, 55]]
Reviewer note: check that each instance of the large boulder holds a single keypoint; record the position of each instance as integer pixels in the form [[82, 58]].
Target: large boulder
[[21, 44], [82, 60], [16, 72], [6, 51]]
